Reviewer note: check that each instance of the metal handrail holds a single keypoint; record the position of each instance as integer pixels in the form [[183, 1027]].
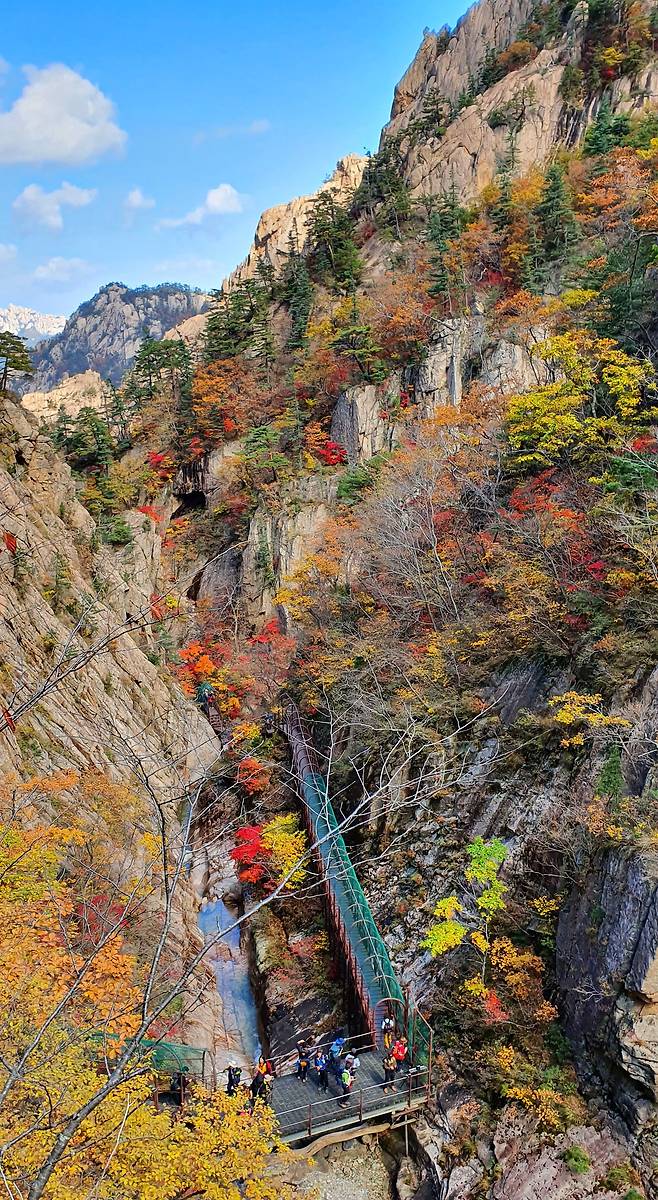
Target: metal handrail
[[312, 784], [414, 1085], [349, 1048]]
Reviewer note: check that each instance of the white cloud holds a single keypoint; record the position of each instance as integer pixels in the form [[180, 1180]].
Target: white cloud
[[136, 201], [34, 207], [218, 132], [4, 67], [220, 200], [61, 270], [7, 253], [59, 117]]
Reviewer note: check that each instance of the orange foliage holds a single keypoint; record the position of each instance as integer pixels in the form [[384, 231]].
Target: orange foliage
[[402, 310], [227, 400]]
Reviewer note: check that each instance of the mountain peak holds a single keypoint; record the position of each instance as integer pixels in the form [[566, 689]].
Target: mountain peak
[[28, 323]]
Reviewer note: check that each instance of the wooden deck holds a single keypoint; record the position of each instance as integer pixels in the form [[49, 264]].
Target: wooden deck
[[304, 1111]]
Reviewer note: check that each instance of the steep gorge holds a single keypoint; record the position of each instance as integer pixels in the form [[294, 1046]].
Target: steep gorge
[[315, 546]]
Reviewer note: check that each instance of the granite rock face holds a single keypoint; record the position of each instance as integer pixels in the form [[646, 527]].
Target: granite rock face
[[277, 225], [71, 395], [117, 694], [104, 334], [447, 61], [607, 963]]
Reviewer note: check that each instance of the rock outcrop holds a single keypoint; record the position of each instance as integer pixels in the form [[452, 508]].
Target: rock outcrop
[[448, 61], [607, 962], [285, 221], [71, 395], [470, 152], [279, 540], [59, 595], [104, 334]]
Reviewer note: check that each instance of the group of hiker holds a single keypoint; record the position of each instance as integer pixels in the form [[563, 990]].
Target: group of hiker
[[260, 1086], [342, 1065], [337, 1063]]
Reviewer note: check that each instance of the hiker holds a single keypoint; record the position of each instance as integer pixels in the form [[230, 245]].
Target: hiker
[[178, 1087], [258, 1088], [234, 1076], [335, 1055], [400, 1051], [346, 1081], [321, 1065], [390, 1066], [204, 696], [388, 1031], [303, 1060], [352, 1062]]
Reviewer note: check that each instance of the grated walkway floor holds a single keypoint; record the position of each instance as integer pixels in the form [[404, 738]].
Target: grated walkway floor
[[303, 1110]]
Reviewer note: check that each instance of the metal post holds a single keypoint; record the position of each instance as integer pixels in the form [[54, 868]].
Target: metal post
[[430, 1064], [406, 1138], [360, 1106], [409, 1089], [310, 1119]]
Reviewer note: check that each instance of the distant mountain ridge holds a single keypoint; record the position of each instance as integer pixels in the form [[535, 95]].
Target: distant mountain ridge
[[28, 323], [104, 333]]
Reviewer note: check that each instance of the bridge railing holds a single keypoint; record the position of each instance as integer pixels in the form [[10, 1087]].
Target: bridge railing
[[375, 978], [354, 1044], [361, 1103]]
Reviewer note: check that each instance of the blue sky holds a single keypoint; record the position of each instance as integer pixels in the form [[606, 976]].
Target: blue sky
[[141, 140]]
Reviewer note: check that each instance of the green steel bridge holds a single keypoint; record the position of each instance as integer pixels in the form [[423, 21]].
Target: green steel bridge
[[370, 987]]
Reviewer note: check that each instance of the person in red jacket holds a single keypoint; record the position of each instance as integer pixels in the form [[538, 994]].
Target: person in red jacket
[[400, 1051]]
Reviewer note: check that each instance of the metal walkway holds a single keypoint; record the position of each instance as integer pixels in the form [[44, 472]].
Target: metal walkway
[[369, 978], [304, 1111]]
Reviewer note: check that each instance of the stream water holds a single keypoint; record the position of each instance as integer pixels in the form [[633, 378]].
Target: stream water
[[231, 965]]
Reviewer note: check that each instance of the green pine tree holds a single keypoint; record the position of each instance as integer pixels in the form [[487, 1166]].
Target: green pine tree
[[606, 132], [356, 342], [556, 216], [446, 222], [14, 358], [334, 254], [297, 294]]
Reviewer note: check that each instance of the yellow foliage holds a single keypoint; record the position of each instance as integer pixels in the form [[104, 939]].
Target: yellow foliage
[[286, 844], [505, 1058], [475, 987], [596, 397], [575, 708]]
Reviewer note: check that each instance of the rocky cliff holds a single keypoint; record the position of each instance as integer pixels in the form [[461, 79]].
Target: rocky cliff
[[285, 223], [104, 334], [77, 651], [438, 583]]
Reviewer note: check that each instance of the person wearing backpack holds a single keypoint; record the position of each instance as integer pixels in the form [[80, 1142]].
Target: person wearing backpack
[[346, 1081], [400, 1051], [390, 1066], [303, 1059], [321, 1065], [335, 1055], [388, 1031], [234, 1077]]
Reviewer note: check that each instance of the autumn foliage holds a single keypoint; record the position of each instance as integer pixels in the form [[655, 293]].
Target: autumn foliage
[[271, 853]]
